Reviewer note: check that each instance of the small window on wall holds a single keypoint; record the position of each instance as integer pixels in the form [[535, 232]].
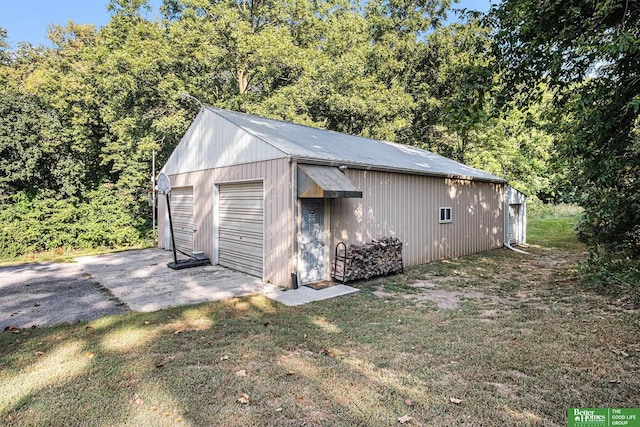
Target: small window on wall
[[445, 215]]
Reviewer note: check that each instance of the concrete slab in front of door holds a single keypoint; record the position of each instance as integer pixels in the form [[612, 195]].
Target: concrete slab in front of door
[[304, 295]]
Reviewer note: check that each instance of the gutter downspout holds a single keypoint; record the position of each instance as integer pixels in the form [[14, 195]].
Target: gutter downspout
[[507, 245], [294, 228]]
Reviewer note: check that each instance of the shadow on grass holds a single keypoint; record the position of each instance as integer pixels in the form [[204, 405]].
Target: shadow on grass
[[356, 360], [350, 361]]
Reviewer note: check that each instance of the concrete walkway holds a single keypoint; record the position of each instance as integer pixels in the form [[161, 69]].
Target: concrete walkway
[[142, 280], [95, 286], [304, 295]]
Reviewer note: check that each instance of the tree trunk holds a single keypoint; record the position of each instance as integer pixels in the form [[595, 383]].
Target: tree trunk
[[243, 82]]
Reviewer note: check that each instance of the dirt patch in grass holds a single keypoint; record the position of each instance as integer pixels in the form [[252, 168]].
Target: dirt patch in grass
[[433, 292], [525, 342]]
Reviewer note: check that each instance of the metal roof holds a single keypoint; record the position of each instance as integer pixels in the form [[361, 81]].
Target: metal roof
[[311, 144]]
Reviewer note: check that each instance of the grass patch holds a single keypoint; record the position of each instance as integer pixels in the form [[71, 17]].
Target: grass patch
[[557, 233], [526, 342]]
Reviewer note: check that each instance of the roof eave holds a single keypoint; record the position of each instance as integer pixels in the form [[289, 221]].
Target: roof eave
[[370, 167]]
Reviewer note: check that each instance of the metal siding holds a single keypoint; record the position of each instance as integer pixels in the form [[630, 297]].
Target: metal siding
[[181, 199], [241, 232], [278, 217], [161, 212], [407, 207], [212, 142]]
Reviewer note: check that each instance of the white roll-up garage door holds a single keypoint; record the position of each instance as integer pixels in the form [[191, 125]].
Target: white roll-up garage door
[[241, 227], [514, 222], [182, 216]]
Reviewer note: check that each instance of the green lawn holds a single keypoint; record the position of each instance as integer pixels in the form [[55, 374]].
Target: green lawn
[[521, 342], [553, 233]]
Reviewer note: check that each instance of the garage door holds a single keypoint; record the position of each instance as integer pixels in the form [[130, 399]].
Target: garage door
[[241, 230], [514, 218], [182, 217]]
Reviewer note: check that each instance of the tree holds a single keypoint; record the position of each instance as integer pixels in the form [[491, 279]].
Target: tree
[[588, 55], [30, 145]]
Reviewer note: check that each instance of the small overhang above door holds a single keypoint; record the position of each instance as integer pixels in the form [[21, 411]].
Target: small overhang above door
[[324, 182]]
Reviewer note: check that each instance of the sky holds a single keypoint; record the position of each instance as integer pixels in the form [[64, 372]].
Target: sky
[[28, 20]]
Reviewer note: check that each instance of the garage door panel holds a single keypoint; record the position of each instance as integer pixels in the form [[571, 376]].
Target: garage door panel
[[229, 240], [241, 227], [182, 218]]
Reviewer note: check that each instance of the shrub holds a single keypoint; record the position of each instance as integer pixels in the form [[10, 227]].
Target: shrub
[[42, 221]]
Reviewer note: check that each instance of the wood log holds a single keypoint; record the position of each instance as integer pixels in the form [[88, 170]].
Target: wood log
[[376, 258]]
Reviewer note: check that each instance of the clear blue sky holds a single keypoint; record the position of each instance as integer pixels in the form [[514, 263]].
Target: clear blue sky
[[28, 20]]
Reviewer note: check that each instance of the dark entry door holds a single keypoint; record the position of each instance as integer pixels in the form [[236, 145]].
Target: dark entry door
[[312, 241]]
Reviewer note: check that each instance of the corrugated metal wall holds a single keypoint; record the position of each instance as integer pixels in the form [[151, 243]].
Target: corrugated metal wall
[[212, 141], [407, 207], [278, 219], [401, 205]]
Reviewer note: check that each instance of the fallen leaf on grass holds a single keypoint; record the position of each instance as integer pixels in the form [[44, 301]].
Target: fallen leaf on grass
[[244, 399], [408, 402], [454, 400], [404, 419], [242, 373]]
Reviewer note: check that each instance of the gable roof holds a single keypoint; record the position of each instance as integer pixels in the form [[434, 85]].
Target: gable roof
[[313, 145]]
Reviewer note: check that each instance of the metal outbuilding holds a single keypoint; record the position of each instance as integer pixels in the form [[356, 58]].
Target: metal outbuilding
[[273, 198]]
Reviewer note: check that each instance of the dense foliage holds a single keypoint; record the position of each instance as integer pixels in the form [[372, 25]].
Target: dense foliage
[[588, 54], [79, 120]]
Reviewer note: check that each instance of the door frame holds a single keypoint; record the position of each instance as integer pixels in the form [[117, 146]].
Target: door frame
[[326, 273]]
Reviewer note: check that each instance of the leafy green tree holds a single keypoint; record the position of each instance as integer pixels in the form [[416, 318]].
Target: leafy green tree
[[30, 145], [588, 55]]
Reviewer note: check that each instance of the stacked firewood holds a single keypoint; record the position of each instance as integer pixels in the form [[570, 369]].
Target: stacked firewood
[[377, 258]]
